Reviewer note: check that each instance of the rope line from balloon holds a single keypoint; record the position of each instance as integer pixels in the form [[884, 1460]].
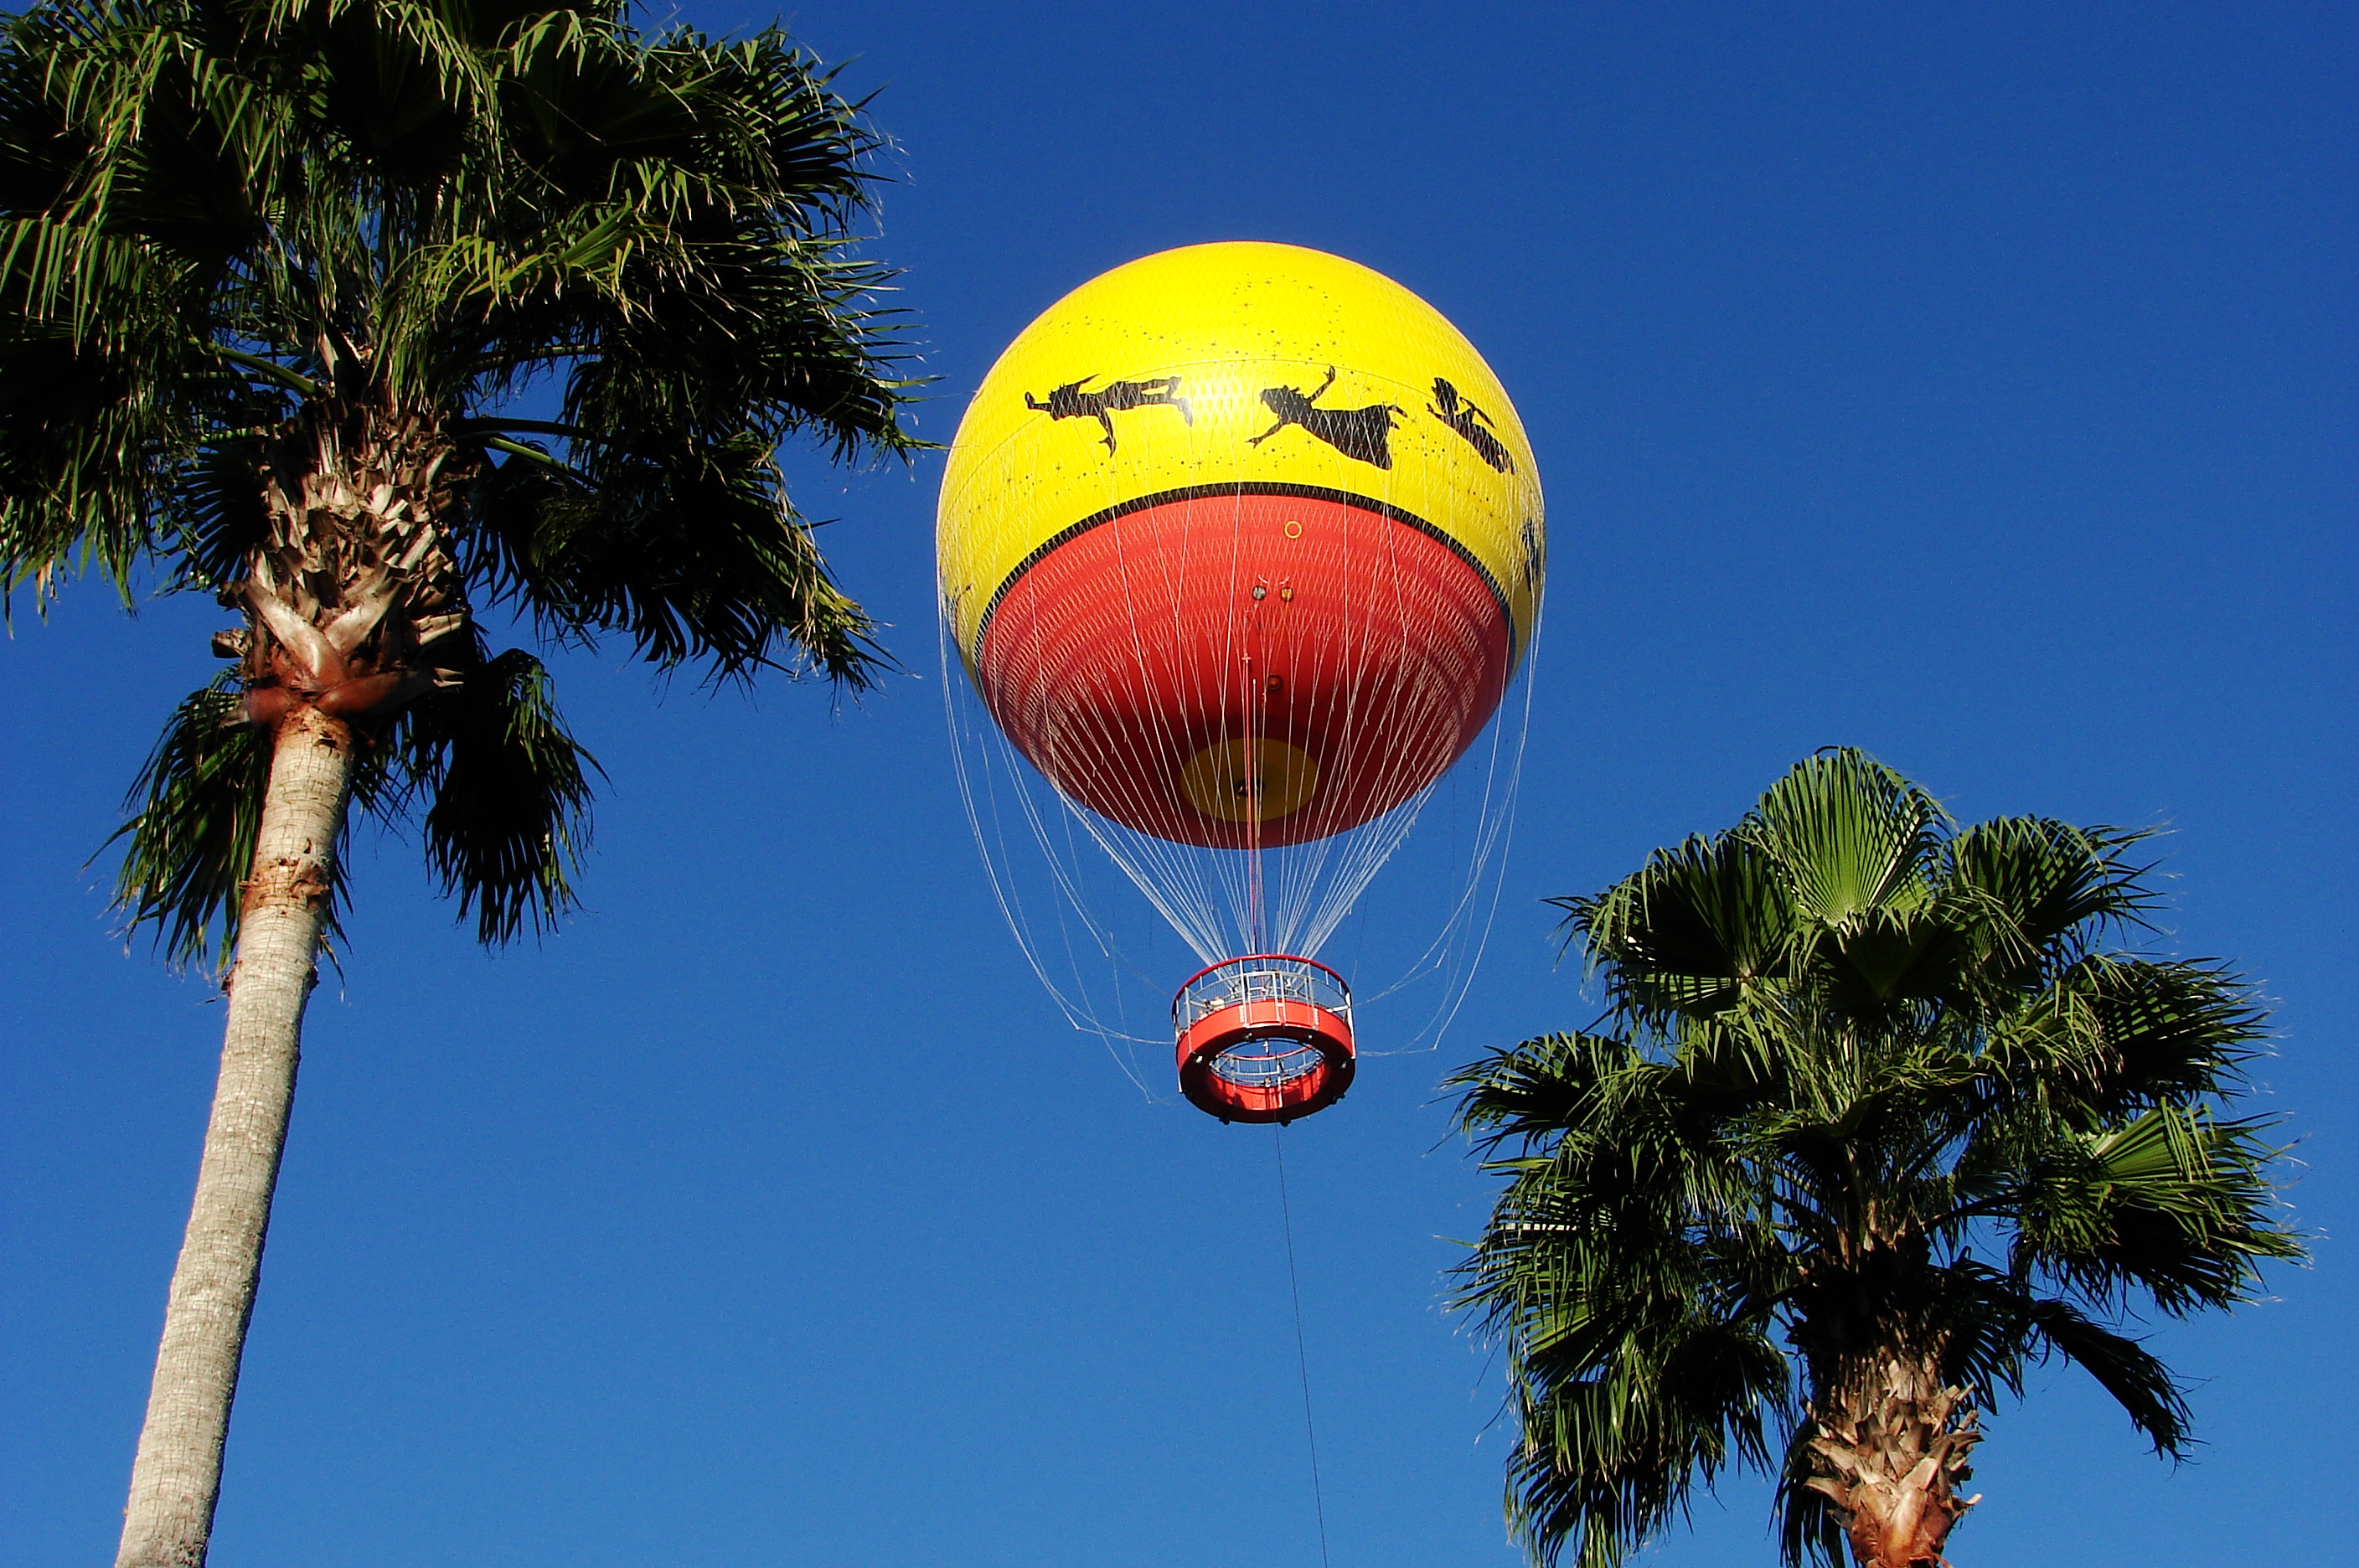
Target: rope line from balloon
[[1301, 1346]]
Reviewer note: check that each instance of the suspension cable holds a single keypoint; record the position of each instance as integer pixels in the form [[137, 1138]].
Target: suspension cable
[[1301, 1349]]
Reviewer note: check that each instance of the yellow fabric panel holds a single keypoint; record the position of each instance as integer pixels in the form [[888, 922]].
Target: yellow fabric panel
[[1232, 320]]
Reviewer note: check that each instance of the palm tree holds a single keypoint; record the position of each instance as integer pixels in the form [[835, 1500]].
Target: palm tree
[[1875, 1121], [281, 278]]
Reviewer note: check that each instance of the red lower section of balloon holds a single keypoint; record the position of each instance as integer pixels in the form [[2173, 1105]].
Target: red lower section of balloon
[[1240, 670]]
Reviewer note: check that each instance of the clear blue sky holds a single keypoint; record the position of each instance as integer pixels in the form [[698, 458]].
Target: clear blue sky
[[1973, 384]]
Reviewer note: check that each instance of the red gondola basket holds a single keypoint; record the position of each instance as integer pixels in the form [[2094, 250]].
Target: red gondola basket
[[1265, 1037]]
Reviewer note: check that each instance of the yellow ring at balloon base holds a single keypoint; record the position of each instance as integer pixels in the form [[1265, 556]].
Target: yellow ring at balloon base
[[1250, 780]]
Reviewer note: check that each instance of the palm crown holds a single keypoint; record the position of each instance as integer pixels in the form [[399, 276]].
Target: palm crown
[[1877, 1121], [277, 273]]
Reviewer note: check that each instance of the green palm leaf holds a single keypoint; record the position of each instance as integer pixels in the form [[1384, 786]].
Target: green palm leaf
[[508, 792], [195, 807]]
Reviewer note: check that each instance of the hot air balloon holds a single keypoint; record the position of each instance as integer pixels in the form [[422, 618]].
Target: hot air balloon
[[1240, 546]]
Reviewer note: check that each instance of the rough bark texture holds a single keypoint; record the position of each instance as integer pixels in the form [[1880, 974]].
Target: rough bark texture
[[356, 578], [177, 1475], [1890, 1452]]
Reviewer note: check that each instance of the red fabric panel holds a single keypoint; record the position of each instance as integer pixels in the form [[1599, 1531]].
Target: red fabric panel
[[1127, 650]]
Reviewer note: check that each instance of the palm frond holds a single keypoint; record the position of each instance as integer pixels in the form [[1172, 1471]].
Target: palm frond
[[1616, 1444], [2108, 1036], [1809, 1528], [699, 559], [91, 435], [1538, 1090], [196, 809], [2031, 891], [2173, 1204], [507, 795], [1623, 1270], [1689, 933], [2134, 1376], [1851, 836]]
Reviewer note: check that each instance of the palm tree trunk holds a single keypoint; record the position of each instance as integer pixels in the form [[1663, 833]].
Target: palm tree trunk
[[177, 1476], [1890, 1454]]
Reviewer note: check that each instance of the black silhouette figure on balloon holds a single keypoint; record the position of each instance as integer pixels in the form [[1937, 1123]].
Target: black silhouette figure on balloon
[[1462, 414], [1070, 402], [1358, 433]]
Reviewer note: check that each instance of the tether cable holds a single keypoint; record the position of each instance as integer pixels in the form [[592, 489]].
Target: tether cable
[[1301, 1346]]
